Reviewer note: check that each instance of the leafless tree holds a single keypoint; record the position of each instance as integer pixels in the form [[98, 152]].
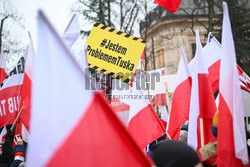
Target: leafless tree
[[10, 21]]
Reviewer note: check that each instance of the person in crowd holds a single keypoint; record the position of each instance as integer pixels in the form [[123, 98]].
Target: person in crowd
[[169, 153], [6, 150], [184, 133], [19, 151], [152, 144], [208, 153]]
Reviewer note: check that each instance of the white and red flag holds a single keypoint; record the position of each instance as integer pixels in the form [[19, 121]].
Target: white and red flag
[[72, 125], [211, 61], [72, 31], [202, 103], [3, 68], [10, 91], [180, 103], [70, 35], [232, 146], [212, 56], [25, 102], [143, 122]]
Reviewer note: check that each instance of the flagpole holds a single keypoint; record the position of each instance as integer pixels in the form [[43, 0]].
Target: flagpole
[[168, 107], [15, 122], [168, 101], [202, 132], [126, 19]]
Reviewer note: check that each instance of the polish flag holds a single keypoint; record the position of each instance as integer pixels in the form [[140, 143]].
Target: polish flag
[[72, 31], [202, 103], [144, 124], [3, 68], [71, 125], [70, 35], [170, 5], [10, 90], [25, 102], [232, 145], [180, 103], [212, 56]]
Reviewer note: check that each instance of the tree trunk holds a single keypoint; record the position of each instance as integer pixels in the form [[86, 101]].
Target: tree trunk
[[1, 31]]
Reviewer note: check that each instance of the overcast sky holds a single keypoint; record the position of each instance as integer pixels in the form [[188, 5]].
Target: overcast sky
[[58, 12]]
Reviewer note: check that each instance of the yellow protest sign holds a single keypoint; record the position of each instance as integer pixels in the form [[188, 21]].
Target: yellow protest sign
[[113, 52]]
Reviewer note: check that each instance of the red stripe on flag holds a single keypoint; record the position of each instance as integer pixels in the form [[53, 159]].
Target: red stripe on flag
[[180, 108], [170, 5], [146, 126], [98, 139], [214, 75], [26, 100], [226, 151]]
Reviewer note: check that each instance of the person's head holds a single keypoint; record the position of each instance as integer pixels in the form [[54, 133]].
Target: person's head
[[183, 136], [171, 153]]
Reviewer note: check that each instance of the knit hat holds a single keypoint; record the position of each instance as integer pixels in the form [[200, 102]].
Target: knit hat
[[215, 123], [215, 119], [171, 153]]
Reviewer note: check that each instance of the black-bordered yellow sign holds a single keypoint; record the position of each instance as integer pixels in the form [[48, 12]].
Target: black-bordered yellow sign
[[113, 52]]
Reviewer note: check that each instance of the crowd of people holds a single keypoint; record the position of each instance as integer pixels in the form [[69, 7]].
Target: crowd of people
[[12, 150], [163, 151]]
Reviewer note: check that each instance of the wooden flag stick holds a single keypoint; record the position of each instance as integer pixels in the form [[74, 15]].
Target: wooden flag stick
[[15, 122], [168, 105], [202, 132], [168, 101]]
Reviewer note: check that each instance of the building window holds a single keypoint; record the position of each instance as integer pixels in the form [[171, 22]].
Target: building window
[[160, 59]]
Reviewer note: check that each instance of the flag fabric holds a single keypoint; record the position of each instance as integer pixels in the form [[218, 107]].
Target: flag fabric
[[70, 35], [244, 80], [171, 5], [232, 146], [180, 104], [72, 31], [157, 88], [211, 56], [3, 68], [83, 129], [2, 134], [10, 92], [25, 102], [202, 103], [144, 124], [164, 115]]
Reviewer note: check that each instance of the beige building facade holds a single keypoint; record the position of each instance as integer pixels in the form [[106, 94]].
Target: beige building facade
[[165, 38]]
